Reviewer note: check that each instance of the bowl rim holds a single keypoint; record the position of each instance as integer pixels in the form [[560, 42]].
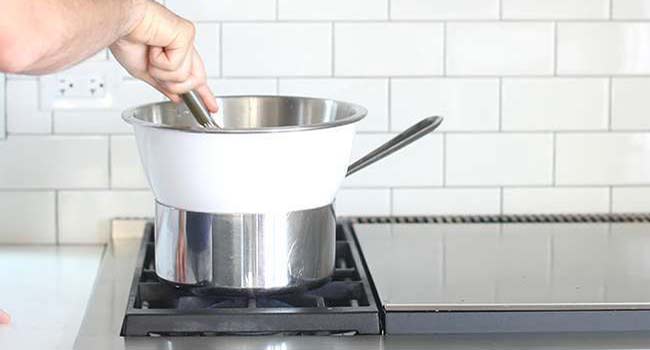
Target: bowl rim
[[130, 116]]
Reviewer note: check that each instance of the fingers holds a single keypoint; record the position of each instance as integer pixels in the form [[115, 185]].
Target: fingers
[[4, 317], [208, 98], [190, 76], [171, 64], [203, 89]]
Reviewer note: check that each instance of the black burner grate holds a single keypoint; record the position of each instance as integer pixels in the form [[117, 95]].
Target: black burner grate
[[345, 305]]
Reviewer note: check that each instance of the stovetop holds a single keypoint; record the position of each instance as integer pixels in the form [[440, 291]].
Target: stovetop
[[435, 275], [343, 306], [484, 274]]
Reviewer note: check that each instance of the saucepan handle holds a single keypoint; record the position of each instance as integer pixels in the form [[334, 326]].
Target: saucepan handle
[[403, 139]]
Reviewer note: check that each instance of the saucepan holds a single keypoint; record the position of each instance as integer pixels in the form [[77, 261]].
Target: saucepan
[[248, 207]]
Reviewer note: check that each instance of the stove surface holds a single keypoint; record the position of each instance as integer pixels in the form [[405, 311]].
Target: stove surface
[[344, 305], [104, 316], [492, 274]]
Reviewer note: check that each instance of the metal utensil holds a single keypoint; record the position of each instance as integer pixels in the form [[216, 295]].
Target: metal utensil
[[198, 110], [406, 137]]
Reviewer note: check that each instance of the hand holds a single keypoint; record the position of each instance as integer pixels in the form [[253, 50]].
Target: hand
[[4, 317], [159, 49]]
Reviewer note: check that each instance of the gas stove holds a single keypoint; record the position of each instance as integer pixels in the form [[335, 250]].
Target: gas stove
[[345, 305], [432, 275]]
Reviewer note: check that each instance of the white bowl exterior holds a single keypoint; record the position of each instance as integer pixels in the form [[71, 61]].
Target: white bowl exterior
[[245, 173]]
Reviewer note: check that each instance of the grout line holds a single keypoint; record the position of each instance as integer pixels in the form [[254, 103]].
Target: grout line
[[389, 9], [332, 49], [394, 132], [500, 10], [420, 20], [220, 50], [277, 86], [444, 49], [611, 9], [57, 238], [610, 101], [389, 93], [555, 44], [554, 161], [277, 10], [611, 199], [420, 76], [391, 210], [356, 187], [500, 104]]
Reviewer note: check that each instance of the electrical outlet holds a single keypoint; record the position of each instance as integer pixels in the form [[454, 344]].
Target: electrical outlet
[[90, 85], [81, 86]]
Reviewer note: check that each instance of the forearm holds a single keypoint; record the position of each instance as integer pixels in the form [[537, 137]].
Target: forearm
[[41, 36]]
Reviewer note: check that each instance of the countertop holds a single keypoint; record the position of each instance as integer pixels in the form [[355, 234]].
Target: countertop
[[45, 289], [48, 292], [101, 326]]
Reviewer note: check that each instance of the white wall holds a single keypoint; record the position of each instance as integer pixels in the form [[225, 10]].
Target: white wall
[[547, 106]]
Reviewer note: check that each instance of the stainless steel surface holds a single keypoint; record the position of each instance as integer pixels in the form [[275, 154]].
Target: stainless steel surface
[[198, 109], [398, 142], [103, 319], [562, 266], [252, 114], [245, 252]]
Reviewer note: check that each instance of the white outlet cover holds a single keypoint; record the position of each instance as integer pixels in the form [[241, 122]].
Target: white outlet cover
[[50, 99]]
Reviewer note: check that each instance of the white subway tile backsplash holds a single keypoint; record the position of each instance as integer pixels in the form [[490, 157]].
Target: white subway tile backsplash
[[446, 201], [381, 49], [603, 158], [363, 202], [484, 48], [549, 200], [85, 216], [27, 217], [23, 111], [419, 164], [333, 9], [544, 103], [126, 169], [555, 104], [370, 93], [630, 103], [631, 199], [90, 122], [499, 159], [456, 9], [46, 162], [207, 44], [134, 93], [272, 49], [223, 10], [223, 87], [465, 104], [603, 48], [631, 9], [555, 9]]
